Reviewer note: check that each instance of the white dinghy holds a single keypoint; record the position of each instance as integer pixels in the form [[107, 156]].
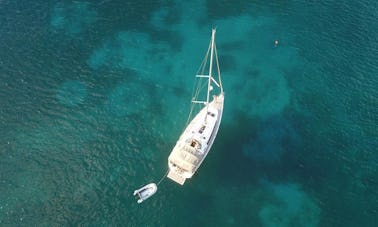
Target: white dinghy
[[145, 192]]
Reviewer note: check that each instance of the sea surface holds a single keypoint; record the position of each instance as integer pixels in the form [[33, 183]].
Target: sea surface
[[94, 95]]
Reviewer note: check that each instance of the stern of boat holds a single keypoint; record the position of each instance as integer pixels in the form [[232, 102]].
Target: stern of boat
[[176, 177]]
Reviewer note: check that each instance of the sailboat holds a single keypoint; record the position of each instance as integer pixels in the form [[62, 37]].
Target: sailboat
[[195, 142]]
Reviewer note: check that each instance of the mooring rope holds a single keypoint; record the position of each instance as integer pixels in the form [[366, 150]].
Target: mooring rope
[[163, 177]]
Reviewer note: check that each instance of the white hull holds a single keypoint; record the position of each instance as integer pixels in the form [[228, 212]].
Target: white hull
[[195, 142]]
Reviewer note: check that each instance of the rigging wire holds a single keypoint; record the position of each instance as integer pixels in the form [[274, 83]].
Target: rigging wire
[[219, 73], [198, 85]]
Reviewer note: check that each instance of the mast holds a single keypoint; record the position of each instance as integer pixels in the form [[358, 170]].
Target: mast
[[210, 71], [211, 65], [213, 54]]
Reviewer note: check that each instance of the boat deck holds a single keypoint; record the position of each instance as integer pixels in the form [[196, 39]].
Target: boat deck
[[195, 143]]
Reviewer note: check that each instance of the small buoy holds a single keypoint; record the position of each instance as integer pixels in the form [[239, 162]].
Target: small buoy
[[275, 42]]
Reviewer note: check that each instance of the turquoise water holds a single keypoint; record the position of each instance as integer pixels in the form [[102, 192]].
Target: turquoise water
[[93, 96]]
